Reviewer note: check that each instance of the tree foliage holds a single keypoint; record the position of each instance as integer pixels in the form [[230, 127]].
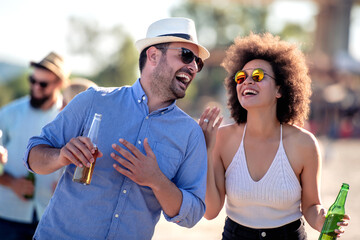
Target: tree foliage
[[111, 52], [13, 89], [217, 26]]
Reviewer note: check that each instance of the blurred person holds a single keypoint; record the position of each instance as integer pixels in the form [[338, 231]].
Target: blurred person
[[265, 163], [152, 155], [76, 86], [20, 120], [3, 155]]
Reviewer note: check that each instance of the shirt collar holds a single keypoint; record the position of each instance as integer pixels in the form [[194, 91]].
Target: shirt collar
[[140, 96]]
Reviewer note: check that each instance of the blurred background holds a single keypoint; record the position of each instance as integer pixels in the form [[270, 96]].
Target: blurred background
[[97, 40]]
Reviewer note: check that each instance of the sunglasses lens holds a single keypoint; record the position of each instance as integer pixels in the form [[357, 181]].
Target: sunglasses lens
[[240, 77], [199, 63], [41, 84], [258, 75], [187, 56], [32, 80]]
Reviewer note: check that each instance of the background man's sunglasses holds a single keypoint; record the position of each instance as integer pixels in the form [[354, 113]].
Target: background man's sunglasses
[[42, 84]]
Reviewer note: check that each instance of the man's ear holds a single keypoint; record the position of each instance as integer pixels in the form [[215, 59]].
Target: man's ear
[[153, 55]]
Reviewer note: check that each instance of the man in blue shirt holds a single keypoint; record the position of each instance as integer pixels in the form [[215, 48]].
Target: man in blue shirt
[[152, 155], [20, 120]]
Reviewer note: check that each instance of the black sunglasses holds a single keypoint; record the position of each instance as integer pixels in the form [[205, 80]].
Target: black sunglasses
[[42, 84], [257, 75], [187, 56]]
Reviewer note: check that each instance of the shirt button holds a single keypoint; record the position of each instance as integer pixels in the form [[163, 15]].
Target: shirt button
[[162, 113], [139, 101], [263, 234], [116, 215], [124, 191], [147, 117], [139, 142], [143, 98]]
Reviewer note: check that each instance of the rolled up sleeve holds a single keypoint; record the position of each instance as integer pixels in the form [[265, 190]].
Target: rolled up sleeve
[[57, 133], [191, 211], [191, 180]]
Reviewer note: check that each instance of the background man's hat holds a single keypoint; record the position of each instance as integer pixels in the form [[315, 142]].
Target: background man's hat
[[54, 63], [172, 30]]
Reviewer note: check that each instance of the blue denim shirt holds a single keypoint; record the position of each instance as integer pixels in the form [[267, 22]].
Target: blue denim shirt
[[113, 206]]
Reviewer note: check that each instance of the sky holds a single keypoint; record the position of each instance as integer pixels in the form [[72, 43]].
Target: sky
[[29, 30]]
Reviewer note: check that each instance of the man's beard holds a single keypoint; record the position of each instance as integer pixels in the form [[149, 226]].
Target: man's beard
[[38, 102], [164, 82]]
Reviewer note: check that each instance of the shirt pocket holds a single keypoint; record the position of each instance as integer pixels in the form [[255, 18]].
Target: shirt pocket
[[168, 159]]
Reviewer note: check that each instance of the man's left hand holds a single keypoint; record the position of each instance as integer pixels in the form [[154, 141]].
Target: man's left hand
[[142, 169]]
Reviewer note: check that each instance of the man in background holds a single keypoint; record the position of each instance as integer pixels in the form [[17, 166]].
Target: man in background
[[24, 195]]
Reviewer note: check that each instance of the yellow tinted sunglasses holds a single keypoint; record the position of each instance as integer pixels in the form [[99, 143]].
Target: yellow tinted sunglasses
[[257, 75]]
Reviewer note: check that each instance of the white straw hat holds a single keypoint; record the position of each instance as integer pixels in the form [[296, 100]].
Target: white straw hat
[[172, 30]]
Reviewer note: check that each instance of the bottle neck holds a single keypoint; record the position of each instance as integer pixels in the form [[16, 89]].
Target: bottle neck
[[341, 198], [94, 129]]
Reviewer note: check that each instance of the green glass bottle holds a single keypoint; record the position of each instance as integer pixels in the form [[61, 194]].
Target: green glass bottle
[[30, 177], [334, 215]]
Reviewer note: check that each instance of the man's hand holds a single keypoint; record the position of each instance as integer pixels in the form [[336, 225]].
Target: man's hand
[[3, 155], [78, 151], [21, 187], [142, 169]]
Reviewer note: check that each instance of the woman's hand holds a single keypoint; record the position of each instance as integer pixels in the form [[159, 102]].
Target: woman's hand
[[210, 124], [342, 224]]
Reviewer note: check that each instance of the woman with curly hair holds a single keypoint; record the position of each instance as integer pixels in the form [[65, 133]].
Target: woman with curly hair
[[266, 164]]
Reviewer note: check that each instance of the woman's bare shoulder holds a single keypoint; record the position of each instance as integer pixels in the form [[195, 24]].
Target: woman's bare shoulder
[[300, 138], [225, 131]]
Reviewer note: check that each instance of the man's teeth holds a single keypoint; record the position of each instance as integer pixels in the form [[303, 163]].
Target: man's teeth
[[249, 92], [184, 78]]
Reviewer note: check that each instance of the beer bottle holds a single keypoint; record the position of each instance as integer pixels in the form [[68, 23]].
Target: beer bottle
[[84, 174], [334, 215], [30, 177]]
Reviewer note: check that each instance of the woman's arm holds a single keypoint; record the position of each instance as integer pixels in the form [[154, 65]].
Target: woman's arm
[[310, 178], [313, 210], [215, 187]]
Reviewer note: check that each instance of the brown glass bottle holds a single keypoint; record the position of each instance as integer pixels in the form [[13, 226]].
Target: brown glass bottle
[[84, 174]]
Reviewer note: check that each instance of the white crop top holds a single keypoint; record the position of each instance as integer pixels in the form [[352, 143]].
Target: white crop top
[[272, 201]]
